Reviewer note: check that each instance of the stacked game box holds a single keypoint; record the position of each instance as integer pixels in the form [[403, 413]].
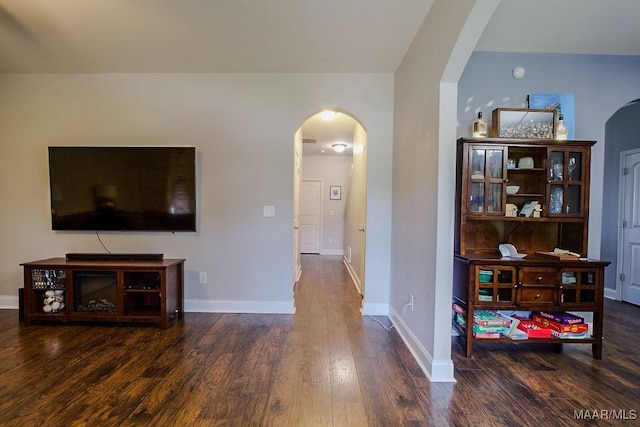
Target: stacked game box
[[460, 316], [489, 324], [563, 325], [534, 329]]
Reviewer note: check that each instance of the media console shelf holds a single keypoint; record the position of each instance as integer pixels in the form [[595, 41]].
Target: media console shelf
[[119, 291]]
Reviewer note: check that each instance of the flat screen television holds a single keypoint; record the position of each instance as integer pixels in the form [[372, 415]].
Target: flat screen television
[[122, 188]]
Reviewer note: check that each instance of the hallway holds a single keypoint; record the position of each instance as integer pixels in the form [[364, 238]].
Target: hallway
[[353, 371]]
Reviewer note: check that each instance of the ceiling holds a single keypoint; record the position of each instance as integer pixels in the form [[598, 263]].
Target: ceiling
[[282, 36], [237, 36], [319, 135]]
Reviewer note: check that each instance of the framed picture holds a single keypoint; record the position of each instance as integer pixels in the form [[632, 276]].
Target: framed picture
[[335, 192]]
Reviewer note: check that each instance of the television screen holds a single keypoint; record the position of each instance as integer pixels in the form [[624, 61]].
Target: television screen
[[123, 188]]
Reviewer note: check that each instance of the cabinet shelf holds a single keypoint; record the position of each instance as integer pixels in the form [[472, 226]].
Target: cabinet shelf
[[536, 195], [552, 340], [497, 217], [527, 170]]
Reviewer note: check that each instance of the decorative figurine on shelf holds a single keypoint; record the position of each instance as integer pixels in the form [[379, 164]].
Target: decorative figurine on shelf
[[561, 131]]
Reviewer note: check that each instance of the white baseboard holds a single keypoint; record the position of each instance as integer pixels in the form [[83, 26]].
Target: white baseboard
[[8, 302], [375, 309], [257, 307], [298, 273], [435, 370], [610, 293], [354, 276], [332, 252]]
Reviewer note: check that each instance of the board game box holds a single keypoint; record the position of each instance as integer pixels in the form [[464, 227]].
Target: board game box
[[576, 328], [561, 317]]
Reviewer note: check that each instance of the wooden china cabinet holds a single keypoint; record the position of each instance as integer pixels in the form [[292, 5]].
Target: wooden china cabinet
[[496, 175]]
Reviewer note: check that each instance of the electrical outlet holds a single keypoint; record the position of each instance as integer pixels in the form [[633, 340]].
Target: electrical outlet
[[203, 277], [268, 211], [410, 301]]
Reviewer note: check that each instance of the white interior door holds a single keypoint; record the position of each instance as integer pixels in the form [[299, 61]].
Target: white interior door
[[629, 243], [310, 208]]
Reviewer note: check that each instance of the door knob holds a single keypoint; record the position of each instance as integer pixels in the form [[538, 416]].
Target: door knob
[[360, 229]]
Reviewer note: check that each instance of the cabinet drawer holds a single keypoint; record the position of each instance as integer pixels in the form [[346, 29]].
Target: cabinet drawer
[[536, 295], [538, 276]]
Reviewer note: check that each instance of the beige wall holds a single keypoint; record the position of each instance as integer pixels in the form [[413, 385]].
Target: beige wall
[[424, 180]]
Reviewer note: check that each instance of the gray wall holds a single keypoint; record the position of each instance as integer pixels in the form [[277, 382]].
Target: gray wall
[[600, 84], [242, 126]]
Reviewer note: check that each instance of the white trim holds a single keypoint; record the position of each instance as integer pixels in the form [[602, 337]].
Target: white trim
[[225, 306], [353, 274], [8, 302], [611, 294], [297, 273], [435, 370], [332, 252], [375, 309]]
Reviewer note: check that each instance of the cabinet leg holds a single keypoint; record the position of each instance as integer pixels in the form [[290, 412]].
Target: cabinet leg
[[596, 350], [469, 346]]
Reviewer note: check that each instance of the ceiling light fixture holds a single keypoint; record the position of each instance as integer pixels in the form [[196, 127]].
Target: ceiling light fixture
[[328, 115], [339, 147]]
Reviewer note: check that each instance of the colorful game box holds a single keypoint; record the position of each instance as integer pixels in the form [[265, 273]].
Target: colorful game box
[[576, 328], [534, 329], [561, 317]]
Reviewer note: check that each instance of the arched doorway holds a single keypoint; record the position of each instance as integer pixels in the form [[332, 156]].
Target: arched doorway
[[621, 141], [330, 161]]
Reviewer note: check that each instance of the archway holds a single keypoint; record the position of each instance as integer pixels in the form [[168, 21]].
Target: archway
[[620, 136], [340, 176]]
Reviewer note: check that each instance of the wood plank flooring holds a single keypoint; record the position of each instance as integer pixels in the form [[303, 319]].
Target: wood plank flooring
[[324, 366]]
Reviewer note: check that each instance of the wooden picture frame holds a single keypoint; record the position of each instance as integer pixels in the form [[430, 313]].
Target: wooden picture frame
[[335, 192], [514, 123]]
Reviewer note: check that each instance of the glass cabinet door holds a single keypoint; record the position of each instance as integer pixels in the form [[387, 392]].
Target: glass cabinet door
[[495, 285], [566, 183], [579, 287], [487, 180]]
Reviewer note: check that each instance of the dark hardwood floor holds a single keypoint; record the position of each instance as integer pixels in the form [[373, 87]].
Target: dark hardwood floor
[[324, 366]]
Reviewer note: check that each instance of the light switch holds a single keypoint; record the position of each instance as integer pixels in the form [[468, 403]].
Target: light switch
[[332, 212], [269, 210]]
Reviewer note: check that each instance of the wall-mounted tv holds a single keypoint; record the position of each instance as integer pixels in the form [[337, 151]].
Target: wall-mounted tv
[[123, 188]]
